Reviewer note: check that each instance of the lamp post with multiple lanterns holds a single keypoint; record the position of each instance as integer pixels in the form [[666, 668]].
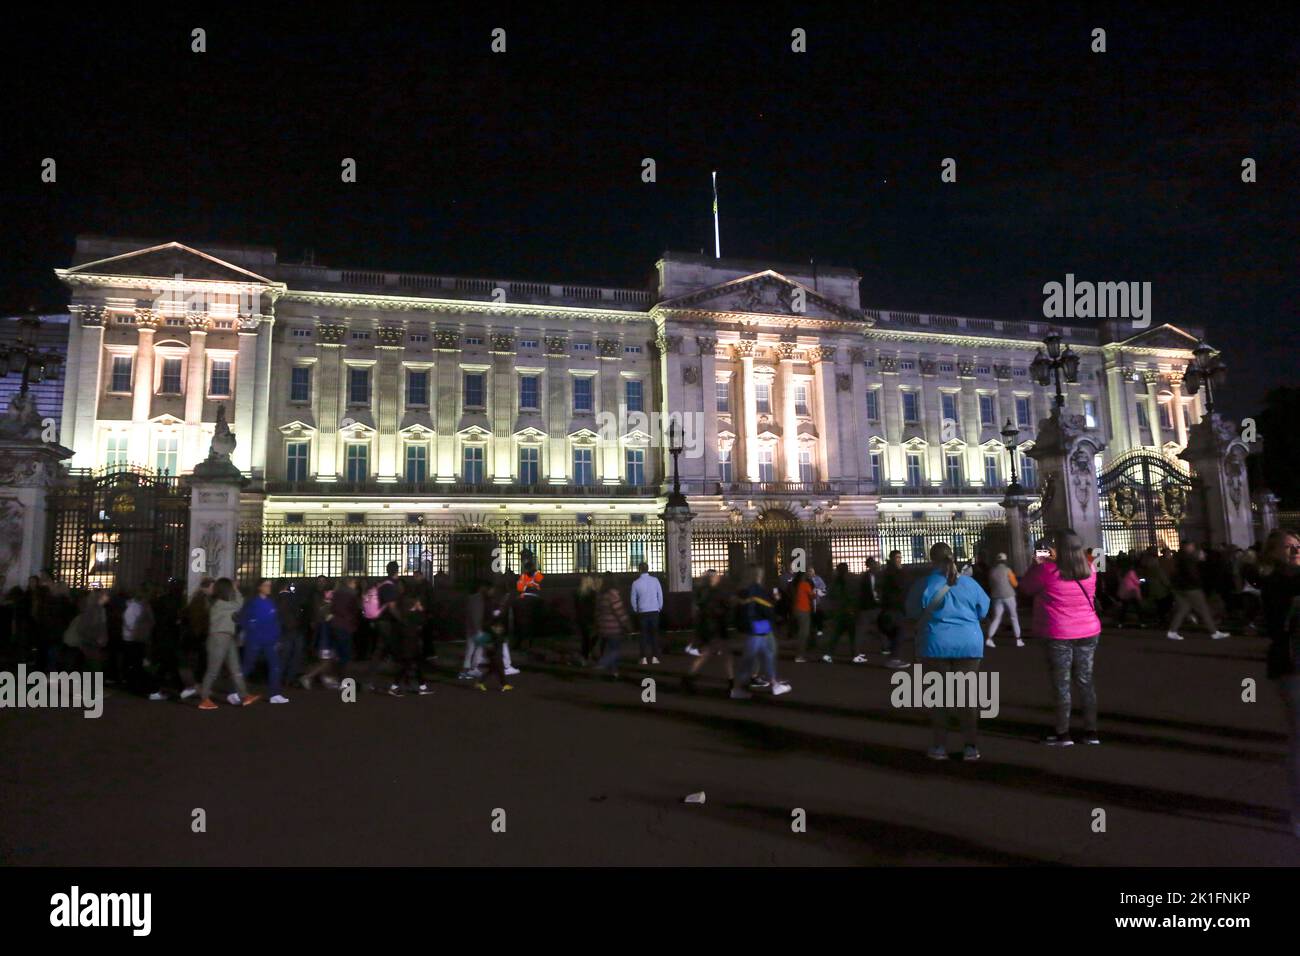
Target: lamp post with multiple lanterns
[[1205, 370], [1048, 368], [24, 355]]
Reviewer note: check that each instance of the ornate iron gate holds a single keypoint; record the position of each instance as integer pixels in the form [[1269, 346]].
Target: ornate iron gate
[[1146, 502], [118, 528]]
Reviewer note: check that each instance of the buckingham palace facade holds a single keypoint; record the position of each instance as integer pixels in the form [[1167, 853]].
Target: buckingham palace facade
[[375, 398]]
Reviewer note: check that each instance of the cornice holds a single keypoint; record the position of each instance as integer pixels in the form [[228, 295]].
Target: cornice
[[460, 306]]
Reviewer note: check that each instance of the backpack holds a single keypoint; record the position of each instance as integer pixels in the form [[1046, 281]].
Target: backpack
[[370, 603]]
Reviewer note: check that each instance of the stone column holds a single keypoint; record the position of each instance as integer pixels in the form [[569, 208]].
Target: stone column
[[389, 396], [557, 463], [677, 542], [261, 397], [1177, 408], [501, 408], [891, 410], [329, 340], [1218, 457], [748, 424], [1064, 449], [447, 385], [607, 401], [245, 387], [1019, 547], [861, 427], [192, 442], [707, 429], [146, 321], [1152, 380], [28, 468], [789, 418], [214, 510], [828, 427]]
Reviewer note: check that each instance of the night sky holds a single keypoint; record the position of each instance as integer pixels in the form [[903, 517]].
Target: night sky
[[1123, 166]]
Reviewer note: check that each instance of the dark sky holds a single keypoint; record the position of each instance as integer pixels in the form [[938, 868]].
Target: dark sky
[[1123, 166]]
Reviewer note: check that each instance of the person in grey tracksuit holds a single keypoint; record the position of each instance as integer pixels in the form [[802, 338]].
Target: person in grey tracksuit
[[1002, 594]]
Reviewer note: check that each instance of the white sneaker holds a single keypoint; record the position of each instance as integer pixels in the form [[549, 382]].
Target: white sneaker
[[279, 699], [654, 660], [779, 688], [644, 662], [894, 664], [860, 659], [1219, 635], [512, 671], [234, 700], [159, 695], [1020, 642], [988, 642], [189, 692], [692, 650], [801, 660], [1174, 636], [827, 659]]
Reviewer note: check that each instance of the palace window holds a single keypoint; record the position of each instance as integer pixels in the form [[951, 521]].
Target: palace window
[[354, 559], [115, 454], [950, 407], [952, 468], [1022, 412], [1166, 417], [357, 461], [417, 387], [1144, 422], [911, 408], [914, 472], [584, 474], [417, 462], [582, 346], [766, 465], [300, 383], [632, 349], [724, 465], [634, 461], [877, 468], [528, 392], [121, 378], [991, 471], [1028, 471], [945, 367], [907, 365], [171, 377], [873, 405], [983, 370], [358, 386], [474, 389], [471, 458], [529, 465], [528, 343], [219, 383], [166, 454], [417, 338], [300, 333], [582, 396], [1090, 412], [360, 336], [722, 389], [801, 400], [295, 460], [807, 470], [763, 394], [473, 340], [632, 395], [293, 558], [988, 411]]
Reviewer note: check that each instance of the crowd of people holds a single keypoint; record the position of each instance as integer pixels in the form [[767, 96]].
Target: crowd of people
[[158, 642]]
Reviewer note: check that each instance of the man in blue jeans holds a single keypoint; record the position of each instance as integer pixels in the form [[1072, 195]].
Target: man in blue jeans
[[647, 602], [760, 640]]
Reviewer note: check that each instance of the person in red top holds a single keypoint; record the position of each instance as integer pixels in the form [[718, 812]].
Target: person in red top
[[801, 605]]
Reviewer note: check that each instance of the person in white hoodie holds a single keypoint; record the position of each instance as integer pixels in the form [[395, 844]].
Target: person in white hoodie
[[1002, 592], [647, 602], [137, 632]]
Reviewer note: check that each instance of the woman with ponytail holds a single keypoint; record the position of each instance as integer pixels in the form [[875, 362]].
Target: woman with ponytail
[[948, 608], [1064, 587]]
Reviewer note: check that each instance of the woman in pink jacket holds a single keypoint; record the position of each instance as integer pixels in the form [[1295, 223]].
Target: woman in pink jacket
[[1064, 586]]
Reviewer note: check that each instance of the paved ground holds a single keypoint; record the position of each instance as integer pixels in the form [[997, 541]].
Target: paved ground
[[588, 774]]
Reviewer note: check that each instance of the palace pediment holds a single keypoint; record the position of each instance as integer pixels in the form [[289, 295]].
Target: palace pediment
[[166, 262], [1161, 337], [768, 293]]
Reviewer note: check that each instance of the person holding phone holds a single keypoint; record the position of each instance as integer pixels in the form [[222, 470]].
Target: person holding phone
[[1064, 587]]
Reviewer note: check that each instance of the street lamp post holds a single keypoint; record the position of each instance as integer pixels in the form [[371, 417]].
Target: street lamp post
[[1010, 436], [676, 499], [1205, 370], [35, 363], [1047, 369]]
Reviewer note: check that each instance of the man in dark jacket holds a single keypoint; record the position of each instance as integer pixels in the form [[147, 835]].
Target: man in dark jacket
[[1189, 593], [289, 607], [892, 588]]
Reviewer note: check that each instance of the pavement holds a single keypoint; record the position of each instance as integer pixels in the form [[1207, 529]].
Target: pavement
[[582, 771]]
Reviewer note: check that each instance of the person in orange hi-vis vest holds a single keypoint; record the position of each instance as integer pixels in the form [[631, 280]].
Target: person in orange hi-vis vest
[[528, 601]]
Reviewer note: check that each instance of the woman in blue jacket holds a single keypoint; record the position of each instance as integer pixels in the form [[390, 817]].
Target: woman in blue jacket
[[949, 608], [261, 626]]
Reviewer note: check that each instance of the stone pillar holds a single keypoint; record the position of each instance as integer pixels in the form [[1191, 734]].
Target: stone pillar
[[390, 391], [146, 321], [1019, 547], [1218, 457], [191, 442], [448, 384], [748, 432], [828, 425], [82, 383], [707, 434], [1152, 380], [261, 397], [214, 510], [677, 543], [608, 402], [28, 467], [329, 387], [245, 379], [1064, 449], [789, 418], [501, 469]]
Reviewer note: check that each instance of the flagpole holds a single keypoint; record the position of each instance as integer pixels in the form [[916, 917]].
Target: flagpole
[[717, 238]]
